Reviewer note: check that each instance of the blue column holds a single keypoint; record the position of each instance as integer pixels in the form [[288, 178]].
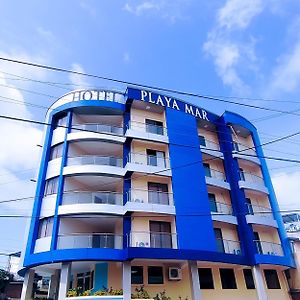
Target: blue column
[[101, 276], [60, 188]]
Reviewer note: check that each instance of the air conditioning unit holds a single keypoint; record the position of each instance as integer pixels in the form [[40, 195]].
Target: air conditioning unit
[[138, 200], [141, 244], [175, 273]]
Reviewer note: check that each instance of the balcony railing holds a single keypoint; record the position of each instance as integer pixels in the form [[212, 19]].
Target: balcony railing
[[260, 211], [211, 145], [228, 246], [251, 178], [87, 197], [90, 240], [98, 128], [152, 197], [268, 248], [149, 160], [95, 160], [220, 208], [246, 149], [215, 174], [152, 239], [149, 128]]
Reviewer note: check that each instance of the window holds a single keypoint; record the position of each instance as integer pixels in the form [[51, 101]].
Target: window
[[137, 276], [242, 174], [56, 151], [235, 146], [51, 186], [160, 234], [84, 281], [212, 202], [207, 170], [206, 278], [228, 279], [272, 279], [202, 141], [249, 208], [248, 276], [158, 193], [155, 158], [257, 243], [219, 239], [153, 126], [155, 275], [45, 227]]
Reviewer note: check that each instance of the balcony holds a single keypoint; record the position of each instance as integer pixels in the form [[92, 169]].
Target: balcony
[[90, 240], [222, 212], [91, 202], [147, 132], [253, 182], [149, 164], [144, 239], [268, 248], [211, 148], [94, 164], [98, 128], [245, 152], [150, 201], [216, 178], [228, 246], [260, 215]]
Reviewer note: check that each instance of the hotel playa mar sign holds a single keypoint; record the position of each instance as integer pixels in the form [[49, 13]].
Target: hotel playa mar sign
[[142, 95], [167, 101]]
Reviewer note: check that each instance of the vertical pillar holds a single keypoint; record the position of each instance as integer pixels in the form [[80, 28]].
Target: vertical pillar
[[126, 280], [259, 283], [64, 280], [194, 280], [52, 291], [27, 285]]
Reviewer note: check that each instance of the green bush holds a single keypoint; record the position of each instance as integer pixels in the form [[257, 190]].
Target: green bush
[[141, 293], [162, 296]]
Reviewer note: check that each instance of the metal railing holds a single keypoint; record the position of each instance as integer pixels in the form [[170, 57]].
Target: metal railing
[[88, 197], [260, 211], [101, 128], [220, 208], [268, 248], [148, 196], [149, 160], [95, 160], [149, 128], [90, 240], [211, 145], [212, 173], [252, 178], [147, 239], [229, 246]]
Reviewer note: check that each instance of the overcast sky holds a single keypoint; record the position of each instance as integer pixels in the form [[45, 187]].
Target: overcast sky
[[248, 49]]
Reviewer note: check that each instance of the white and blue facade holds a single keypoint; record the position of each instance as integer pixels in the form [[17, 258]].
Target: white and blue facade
[[134, 181]]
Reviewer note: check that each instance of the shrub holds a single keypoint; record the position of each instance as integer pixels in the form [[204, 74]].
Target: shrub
[[162, 296], [141, 293], [72, 293]]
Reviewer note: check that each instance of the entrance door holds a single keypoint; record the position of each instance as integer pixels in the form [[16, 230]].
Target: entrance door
[[158, 193]]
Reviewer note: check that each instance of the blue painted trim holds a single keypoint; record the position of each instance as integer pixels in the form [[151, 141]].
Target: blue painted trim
[[60, 188], [34, 225]]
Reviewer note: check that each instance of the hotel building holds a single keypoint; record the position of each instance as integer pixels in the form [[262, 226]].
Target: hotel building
[[142, 189]]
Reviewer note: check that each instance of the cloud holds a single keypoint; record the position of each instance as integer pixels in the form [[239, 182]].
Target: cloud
[[88, 8], [231, 54], [126, 57], [79, 81], [168, 10], [287, 189]]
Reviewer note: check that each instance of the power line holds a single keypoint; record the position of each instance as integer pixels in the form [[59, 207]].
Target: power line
[[57, 69]]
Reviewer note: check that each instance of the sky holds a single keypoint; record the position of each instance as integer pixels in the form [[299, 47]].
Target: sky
[[247, 51]]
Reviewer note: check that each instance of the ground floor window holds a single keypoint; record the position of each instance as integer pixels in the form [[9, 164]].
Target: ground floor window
[[206, 278], [248, 276], [137, 276], [155, 275], [272, 279], [227, 279], [85, 281]]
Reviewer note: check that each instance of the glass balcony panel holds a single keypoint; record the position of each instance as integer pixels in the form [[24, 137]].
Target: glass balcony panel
[[95, 160], [150, 160], [98, 128], [210, 145], [268, 248], [259, 211], [215, 174], [83, 197], [252, 178], [228, 246], [153, 197], [221, 208]]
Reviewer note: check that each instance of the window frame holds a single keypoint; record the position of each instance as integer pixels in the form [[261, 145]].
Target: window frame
[[228, 279], [249, 280], [155, 281], [139, 268], [272, 285], [209, 284]]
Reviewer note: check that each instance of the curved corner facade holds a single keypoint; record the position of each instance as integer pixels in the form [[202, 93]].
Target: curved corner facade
[[139, 188]]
